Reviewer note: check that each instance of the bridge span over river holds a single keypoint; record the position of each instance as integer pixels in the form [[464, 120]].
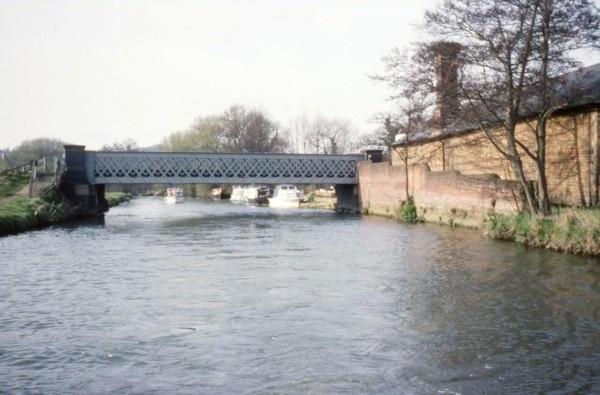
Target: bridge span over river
[[87, 172]]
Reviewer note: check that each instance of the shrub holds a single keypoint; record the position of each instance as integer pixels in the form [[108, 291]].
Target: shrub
[[408, 212], [570, 230]]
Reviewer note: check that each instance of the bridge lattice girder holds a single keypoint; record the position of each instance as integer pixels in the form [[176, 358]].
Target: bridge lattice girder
[[219, 168]]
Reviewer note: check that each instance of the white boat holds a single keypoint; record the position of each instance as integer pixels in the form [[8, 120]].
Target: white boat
[[237, 194], [174, 195], [250, 193], [285, 196], [256, 194], [216, 193]]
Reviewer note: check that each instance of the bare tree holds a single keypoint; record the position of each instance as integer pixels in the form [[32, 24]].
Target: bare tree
[[385, 134], [510, 51], [250, 131], [562, 26], [410, 76], [128, 144], [297, 134], [34, 149], [234, 120], [497, 38], [330, 135]]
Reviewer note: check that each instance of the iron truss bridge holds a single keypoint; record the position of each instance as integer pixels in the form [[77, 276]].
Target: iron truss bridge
[[216, 168]]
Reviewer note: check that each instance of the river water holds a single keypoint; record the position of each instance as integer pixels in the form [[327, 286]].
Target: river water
[[215, 298]]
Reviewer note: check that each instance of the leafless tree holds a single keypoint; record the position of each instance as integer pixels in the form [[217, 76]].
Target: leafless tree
[[251, 131], [321, 135], [34, 149], [234, 119], [510, 51], [128, 144], [410, 76], [562, 26], [297, 134]]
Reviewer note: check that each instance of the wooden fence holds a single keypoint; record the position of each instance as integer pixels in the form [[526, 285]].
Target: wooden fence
[[45, 166]]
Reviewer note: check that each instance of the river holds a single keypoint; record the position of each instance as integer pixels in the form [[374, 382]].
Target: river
[[209, 297]]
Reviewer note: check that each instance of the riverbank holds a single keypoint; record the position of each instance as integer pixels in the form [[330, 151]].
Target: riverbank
[[115, 198], [571, 230], [20, 212], [316, 201]]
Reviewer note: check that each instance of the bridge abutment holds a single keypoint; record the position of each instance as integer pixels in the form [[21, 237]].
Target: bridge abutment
[[347, 198], [76, 184]]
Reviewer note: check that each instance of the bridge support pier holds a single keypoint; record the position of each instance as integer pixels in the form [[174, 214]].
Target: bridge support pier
[[76, 184], [347, 198]]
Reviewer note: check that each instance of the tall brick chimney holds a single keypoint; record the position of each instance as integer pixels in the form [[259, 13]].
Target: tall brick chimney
[[446, 72]]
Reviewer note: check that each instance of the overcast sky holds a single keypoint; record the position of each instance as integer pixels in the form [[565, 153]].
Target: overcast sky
[[95, 72]]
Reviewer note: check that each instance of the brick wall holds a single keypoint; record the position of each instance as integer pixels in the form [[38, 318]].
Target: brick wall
[[445, 196], [572, 156]]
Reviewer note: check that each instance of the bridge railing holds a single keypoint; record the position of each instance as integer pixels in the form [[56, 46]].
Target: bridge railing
[[219, 168]]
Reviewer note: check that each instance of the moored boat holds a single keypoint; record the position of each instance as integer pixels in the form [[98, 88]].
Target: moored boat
[[285, 196], [174, 195], [216, 193], [256, 195], [237, 194]]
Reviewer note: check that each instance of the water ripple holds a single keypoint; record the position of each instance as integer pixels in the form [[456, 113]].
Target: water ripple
[[216, 298]]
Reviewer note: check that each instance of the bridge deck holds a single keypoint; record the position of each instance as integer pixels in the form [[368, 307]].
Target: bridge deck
[[219, 168]]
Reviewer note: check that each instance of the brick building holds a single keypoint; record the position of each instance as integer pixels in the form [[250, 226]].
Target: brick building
[[573, 142]]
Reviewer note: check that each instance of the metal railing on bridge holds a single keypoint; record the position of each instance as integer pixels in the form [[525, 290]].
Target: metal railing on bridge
[[219, 168]]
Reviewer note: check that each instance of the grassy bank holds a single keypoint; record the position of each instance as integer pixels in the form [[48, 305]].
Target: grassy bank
[[11, 185], [575, 231], [317, 201], [116, 198], [19, 212]]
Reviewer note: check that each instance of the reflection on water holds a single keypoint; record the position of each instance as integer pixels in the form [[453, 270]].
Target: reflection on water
[[210, 297]]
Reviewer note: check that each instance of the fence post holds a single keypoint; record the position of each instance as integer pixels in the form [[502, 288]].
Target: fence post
[[32, 178]]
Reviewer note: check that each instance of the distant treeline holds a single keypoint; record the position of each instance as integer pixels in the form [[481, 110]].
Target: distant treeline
[[30, 150], [238, 129]]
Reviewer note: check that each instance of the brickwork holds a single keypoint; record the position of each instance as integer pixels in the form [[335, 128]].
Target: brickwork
[[445, 196], [572, 156]]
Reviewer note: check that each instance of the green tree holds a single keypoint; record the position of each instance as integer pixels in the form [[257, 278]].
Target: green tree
[[204, 135], [236, 130]]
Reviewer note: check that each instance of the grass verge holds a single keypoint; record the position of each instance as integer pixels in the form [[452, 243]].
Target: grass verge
[[9, 185], [19, 214], [571, 230]]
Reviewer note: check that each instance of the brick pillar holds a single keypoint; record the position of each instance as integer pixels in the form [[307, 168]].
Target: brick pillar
[[446, 71]]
